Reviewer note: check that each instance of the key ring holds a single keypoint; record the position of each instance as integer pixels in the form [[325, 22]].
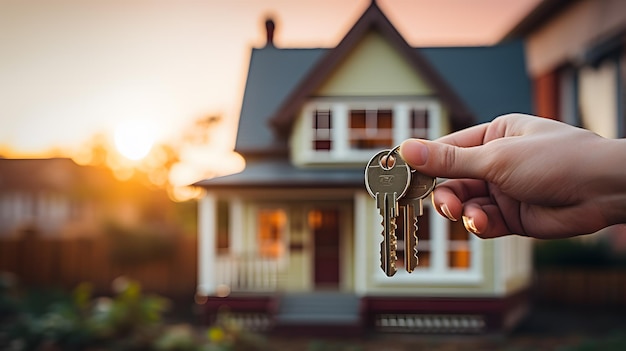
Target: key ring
[[386, 165]]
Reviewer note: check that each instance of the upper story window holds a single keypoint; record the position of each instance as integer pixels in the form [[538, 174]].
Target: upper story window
[[322, 130], [419, 123], [370, 129], [350, 131]]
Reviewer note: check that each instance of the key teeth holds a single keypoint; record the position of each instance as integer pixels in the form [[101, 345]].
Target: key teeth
[[393, 248], [416, 238]]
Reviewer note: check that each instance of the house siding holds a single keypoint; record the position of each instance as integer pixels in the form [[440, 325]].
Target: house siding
[[566, 36], [374, 68]]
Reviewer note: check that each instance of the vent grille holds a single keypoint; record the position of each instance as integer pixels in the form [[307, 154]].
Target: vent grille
[[431, 323]]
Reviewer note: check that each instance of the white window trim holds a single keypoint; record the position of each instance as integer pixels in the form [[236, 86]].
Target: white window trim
[[340, 150], [438, 272]]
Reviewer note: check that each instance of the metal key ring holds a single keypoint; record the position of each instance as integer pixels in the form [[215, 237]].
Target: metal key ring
[[395, 149]]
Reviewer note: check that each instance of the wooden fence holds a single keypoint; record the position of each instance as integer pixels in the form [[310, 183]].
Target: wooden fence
[[65, 263]]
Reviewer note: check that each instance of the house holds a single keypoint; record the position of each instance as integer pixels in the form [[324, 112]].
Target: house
[[51, 197], [292, 242], [576, 57], [58, 198]]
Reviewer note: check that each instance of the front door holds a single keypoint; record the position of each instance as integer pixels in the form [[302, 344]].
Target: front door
[[324, 225]]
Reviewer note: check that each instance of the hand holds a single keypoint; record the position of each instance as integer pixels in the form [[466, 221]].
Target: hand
[[525, 175]]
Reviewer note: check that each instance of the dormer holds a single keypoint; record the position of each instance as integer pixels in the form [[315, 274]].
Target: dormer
[[374, 100]]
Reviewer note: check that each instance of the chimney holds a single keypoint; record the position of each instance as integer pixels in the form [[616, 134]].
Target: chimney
[[269, 28]]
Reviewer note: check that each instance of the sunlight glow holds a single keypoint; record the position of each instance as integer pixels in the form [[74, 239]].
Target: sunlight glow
[[134, 139]]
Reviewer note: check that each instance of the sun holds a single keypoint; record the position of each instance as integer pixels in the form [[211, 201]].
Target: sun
[[134, 139]]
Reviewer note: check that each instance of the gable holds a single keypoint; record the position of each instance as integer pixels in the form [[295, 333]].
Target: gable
[[374, 68]]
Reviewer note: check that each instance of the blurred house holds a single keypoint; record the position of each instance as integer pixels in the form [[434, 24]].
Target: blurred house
[[57, 198], [293, 241], [575, 52], [50, 197], [576, 57]]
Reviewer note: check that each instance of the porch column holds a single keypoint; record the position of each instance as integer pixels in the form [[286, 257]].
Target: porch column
[[207, 217], [361, 236]]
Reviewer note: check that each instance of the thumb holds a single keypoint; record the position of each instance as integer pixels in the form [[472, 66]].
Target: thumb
[[443, 160]]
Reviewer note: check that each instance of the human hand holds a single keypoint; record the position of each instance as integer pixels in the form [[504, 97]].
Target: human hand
[[525, 175]]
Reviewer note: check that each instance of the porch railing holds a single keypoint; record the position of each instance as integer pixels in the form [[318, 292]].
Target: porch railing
[[247, 273]]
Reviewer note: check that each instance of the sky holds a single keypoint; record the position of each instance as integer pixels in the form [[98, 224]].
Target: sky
[[71, 69]]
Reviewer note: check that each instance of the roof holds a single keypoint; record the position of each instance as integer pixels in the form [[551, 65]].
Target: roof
[[269, 173], [491, 80], [272, 75]]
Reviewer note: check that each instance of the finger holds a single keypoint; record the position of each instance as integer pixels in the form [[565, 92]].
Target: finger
[[449, 196], [485, 219], [442, 160]]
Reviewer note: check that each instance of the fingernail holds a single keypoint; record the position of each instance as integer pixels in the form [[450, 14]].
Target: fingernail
[[446, 211], [414, 152], [468, 222]]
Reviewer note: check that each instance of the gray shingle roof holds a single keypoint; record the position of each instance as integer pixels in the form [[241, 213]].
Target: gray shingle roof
[[491, 80], [281, 173], [273, 73]]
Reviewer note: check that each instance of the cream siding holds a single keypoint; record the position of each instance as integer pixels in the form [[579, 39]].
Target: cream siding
[[598, 99], [374, 68]]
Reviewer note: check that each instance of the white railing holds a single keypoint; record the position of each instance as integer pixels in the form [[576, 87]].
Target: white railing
[[247, 273]]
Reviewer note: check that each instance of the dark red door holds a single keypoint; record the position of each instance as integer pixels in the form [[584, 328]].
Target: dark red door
[[325, 228]]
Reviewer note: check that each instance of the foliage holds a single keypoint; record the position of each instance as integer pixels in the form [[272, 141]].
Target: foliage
[[615, 342], [128, 321], [575, 253], [227, 335]]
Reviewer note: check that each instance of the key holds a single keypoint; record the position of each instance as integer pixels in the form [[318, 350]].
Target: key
[[412, 208], [386, 180]]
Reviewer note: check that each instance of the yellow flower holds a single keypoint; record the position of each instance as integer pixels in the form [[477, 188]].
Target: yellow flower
[[216, 334]]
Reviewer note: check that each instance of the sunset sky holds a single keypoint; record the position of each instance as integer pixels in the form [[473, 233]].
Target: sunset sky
[[73, 68]]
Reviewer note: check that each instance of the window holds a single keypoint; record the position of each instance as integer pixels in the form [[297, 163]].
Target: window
[[459, 250], [370, 129], [322, 128], [419, 123], [223, 218], [348, 131], [271, 233]]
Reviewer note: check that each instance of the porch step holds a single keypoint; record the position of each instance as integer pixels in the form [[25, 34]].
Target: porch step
[[318, 308]]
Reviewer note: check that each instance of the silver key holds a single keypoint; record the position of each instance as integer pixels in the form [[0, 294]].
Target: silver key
[[387, 179], [412, 208]]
